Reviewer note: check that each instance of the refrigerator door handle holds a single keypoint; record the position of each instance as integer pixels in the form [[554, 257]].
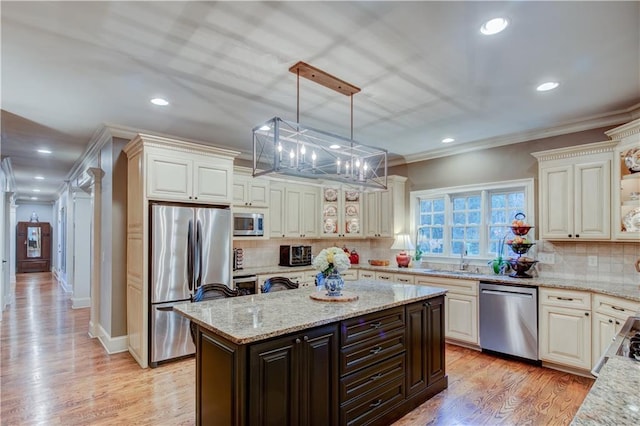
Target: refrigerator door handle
[[199, 253], [190, 255], [166, 309]]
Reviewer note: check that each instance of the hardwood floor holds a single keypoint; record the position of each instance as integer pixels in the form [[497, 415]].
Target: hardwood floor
[[52, 373]]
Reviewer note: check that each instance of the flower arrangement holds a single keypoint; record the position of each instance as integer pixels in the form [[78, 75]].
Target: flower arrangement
[[330, 260]]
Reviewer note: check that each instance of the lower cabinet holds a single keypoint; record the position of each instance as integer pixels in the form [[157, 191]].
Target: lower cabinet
[[371, 369], [565, 327], [609, 315], [294, 379]]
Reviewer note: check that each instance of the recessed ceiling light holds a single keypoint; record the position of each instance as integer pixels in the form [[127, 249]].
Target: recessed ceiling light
[[36, 190], [549, 85], [494, 26], [447, 140], [334, 146], [38, 177], [44, 151], [34, 198], [159, 101], [265, 127]]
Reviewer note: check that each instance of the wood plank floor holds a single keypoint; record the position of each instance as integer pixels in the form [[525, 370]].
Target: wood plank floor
[[52, 373]]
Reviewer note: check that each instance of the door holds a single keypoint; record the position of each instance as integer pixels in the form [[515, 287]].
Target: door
[[172, 232], [556, 202], [213, 239], [171, 337], [565, 336], [593, 200]]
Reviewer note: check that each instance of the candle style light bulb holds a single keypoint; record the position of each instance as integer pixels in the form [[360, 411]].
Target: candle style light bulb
[[292, 158], [313, 159], [303, 150], [280, 151], [338, 166]]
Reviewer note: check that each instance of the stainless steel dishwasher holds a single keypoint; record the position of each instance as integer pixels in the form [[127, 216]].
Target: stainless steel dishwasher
[[509, 320]]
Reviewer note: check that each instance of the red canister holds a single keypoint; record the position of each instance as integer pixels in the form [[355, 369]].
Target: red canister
[[354, 257]]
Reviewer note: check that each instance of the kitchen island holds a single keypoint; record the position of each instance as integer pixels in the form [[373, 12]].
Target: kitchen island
[[284, 359]]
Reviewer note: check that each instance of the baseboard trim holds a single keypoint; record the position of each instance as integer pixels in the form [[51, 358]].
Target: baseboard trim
[[568, 369], [80, 302], [65, 287], [112, 345]]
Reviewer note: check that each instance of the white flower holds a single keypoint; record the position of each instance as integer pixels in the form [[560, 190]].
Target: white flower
[[330, 259]]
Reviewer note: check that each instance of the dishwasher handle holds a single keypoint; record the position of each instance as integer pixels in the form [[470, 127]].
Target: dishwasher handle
[[508, 293]]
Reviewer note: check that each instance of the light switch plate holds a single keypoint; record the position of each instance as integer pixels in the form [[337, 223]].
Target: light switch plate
[[548, 258], [592, 260]]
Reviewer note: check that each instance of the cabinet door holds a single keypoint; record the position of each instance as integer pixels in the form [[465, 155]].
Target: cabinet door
[[556, 202], [461, 317], [565, 336], [169, 178], [385, 217], [273, 366], [292, 219], [309, 212], [593, 200], [371, 214], [425, 344], [258, 193], [604, 330], [276, 211], [212, 181], [318, 372]]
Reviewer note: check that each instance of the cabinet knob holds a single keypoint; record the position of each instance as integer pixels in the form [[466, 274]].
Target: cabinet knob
[[586, 314], [306, 338], [577, 236], [298, 340], [617, 322], [610, 321], [569, 235], [250, 204], [189, 196], [428, 304]]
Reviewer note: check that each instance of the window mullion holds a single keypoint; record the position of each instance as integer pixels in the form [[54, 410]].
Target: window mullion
[[484, 223]]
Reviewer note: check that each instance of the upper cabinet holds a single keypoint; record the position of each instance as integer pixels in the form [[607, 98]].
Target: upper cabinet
[[575, 192], [249, 191], [626, 181], [189, 173], [384, 210], [341, 213], [293, 211]]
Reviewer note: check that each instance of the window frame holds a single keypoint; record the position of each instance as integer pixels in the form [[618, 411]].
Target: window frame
[[483, 189]]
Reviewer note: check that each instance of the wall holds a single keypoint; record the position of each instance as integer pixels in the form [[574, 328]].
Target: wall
[[44, 212], [615, 259]]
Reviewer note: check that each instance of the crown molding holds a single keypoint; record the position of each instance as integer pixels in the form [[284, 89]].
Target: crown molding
[[593, 122], [625, 130], [576, 151]]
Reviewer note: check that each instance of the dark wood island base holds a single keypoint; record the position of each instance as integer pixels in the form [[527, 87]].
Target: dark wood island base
[[370, 369]]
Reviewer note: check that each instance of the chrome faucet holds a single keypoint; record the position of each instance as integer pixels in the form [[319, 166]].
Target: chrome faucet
[[463, 264]]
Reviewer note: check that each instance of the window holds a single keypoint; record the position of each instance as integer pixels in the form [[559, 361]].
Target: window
[[472, 220]]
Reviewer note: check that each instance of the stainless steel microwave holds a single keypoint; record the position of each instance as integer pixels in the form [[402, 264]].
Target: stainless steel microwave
[[248, 224]]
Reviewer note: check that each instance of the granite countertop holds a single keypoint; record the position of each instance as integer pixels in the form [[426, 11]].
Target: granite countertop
[[613, 399], [608, 287], [257, 317]]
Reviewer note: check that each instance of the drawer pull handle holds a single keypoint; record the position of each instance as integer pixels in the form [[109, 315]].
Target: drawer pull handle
[[375, 324], [617, 309], [375, 403], [376, 350], [568, 299], [376, 377]]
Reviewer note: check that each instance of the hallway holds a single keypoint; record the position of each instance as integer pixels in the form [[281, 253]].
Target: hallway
[[52, 373]]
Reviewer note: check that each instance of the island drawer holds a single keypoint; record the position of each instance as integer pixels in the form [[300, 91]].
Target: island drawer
[[371, 351], [366, 408], [376, 324], [365, 380]]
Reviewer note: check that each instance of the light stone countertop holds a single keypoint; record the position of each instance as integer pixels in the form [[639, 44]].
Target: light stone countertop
[[614, 398], [607, 287], [257, 317]]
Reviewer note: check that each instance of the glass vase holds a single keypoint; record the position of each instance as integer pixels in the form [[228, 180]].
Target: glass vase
[[333, 283]]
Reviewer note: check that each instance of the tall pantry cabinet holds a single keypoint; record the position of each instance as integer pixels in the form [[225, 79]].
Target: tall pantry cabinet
[[163, 169]]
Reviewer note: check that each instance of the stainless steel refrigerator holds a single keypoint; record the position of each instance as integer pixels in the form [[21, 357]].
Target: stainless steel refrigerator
[[190, 246]]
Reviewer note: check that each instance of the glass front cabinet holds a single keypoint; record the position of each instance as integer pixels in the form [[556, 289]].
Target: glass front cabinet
[[626, 181]]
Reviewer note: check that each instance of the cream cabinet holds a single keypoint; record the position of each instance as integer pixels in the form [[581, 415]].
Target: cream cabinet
[[341, 213], [461, 308], [378, 208], [384, 276], [565, 327], [609, 315], [626, 183], [404, 278], [293, 211], [575, 192], [188, 176], [250, 192], [163, 169]]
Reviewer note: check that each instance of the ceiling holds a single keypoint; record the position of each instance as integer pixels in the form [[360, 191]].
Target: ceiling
[[425, 71]]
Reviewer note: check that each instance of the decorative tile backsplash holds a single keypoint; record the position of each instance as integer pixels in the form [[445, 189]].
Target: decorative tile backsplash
[[615, 260]]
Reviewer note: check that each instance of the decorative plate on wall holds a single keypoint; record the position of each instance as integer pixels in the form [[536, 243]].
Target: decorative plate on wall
[[631, 220]]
